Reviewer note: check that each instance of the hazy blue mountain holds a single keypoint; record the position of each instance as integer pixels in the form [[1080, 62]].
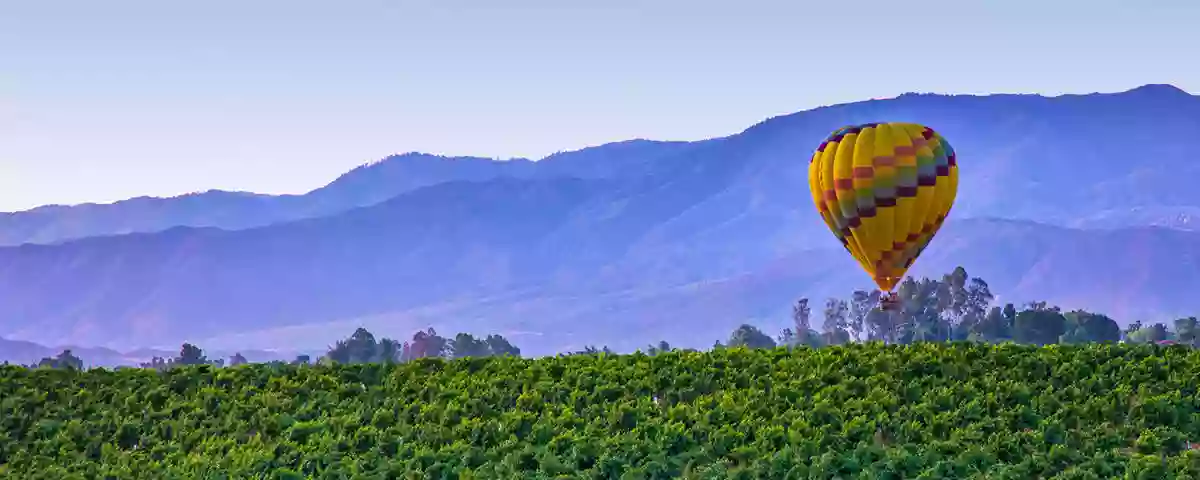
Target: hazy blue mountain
[[632, 242], [1050, 159], [363, 186]]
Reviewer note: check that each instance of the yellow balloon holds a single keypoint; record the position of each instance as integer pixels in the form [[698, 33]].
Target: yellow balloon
[[884, 189]]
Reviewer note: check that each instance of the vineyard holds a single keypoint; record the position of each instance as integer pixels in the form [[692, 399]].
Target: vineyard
[[962, 410]]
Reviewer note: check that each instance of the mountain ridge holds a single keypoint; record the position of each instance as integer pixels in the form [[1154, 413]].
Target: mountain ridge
[[612, 231], [238, 209]]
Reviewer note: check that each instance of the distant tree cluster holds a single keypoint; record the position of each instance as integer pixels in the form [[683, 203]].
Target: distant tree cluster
[[361, 347], [188, 355], [956, 308], [64, 360]]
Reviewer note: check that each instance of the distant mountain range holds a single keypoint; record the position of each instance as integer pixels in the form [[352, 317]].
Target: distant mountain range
[[1080, 200]]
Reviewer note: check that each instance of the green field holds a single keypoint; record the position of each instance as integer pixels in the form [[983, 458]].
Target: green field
[[857, 411]]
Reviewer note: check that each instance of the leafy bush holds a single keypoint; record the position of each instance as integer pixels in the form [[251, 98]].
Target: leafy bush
[[856, 411]]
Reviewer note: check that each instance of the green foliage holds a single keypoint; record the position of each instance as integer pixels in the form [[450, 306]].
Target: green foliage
[[928, 410]]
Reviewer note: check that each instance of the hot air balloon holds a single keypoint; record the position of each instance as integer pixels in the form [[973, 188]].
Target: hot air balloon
[[884, 190]]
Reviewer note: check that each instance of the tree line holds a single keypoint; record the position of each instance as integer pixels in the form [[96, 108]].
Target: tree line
[[956, 307], [360, 347]]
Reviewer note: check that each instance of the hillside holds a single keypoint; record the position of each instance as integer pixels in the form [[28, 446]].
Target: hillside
[[674, 240], [918, 411]]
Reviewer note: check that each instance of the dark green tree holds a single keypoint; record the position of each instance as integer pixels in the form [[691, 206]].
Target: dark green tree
[[861, 305], [362, 347], [1010, 314], [64, 360], [1039, 325], [995, 327], [237, 359], [191, 355], [751, 337], [466, 345], [920, 319], [1086, 327], [1187, 331], [500, 346], [425, 343]]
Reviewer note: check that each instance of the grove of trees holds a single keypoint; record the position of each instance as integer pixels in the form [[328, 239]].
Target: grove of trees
[[956, 308]]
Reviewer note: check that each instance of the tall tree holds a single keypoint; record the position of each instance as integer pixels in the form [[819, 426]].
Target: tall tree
[[358, 348], [836, 323], [237, 359], [191, 355], [920, 319], [861, 305], [976, 300], [951, 296], [800, 321]]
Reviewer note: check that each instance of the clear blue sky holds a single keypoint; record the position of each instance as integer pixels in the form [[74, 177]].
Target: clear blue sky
[[104, 100]]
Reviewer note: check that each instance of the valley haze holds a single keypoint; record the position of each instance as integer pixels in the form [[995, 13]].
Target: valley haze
[[1084, 201]]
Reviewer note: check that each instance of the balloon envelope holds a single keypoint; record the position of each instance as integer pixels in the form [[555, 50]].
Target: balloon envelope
[[884, 190]]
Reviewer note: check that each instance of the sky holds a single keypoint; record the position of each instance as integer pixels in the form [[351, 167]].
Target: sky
[[101, 101]]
